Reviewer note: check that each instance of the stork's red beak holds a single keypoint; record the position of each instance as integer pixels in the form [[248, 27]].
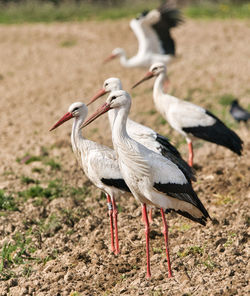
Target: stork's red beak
[[103, 109], [99, 94], [109, 58], [65, 117], [148, 75]]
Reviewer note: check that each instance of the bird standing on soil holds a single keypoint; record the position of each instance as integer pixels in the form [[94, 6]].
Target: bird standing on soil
[[99, 164], [155, 44], [151, 178], [143, 134], [189, 119], [238, 113]]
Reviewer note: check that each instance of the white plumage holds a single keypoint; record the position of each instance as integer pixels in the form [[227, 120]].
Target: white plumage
[[143, 134], [98, 162], [189, 119], [152, 179], [155, 44]]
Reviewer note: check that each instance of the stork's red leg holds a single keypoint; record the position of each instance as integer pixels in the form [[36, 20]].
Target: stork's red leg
[[145, 218], [190, 154], [111, 221], [165, 232], [115, 213]]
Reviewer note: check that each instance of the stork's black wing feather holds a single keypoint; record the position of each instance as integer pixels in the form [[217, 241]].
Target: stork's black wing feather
[[185, 193], [171, 153], [117, 183], [169, 18], [167, 145], [217, 133]]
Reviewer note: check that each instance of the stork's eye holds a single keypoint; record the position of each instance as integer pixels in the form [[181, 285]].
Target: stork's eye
[[154, 69], [75, 109], [106, 84], [113, 98]]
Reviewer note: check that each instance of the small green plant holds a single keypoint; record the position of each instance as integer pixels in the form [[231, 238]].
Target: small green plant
[[27, 270], [79, 191], [17, 252], [191, 251], [52, 255], [184, 227], [68, 43], [52, 191], [52, 226], [28, 180], [157, 250], [69, 217], [34, 191], [226, 99], [8, 173], [209, 263], [160, 120], [75, 294], [157, 293], [120, 208], [53, 164], [230, 238], [27, 158], [37, 170], [223, 199], [123, 276], [151, 112], [7, 202]]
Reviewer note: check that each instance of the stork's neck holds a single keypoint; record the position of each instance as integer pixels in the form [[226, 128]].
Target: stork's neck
[[158, 85], [132, 62], [111, 115], [161, 99], [78, 142], [124, 59], [119, 131]]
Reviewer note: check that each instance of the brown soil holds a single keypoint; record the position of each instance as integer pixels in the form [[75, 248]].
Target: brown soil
[[45, 68]]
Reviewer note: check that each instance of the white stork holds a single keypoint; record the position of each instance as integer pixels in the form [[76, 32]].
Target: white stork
[[98, 162], [143, 134], [189, 119], [152, 179], [155, 44]]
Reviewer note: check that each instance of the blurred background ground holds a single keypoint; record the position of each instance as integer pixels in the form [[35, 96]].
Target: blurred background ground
[[54, 233]]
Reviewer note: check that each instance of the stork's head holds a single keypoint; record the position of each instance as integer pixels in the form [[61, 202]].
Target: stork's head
[[155, 70], [77, 109], [112, 84], [109, 85], [116, 99], [158, 68], [117, 52]]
